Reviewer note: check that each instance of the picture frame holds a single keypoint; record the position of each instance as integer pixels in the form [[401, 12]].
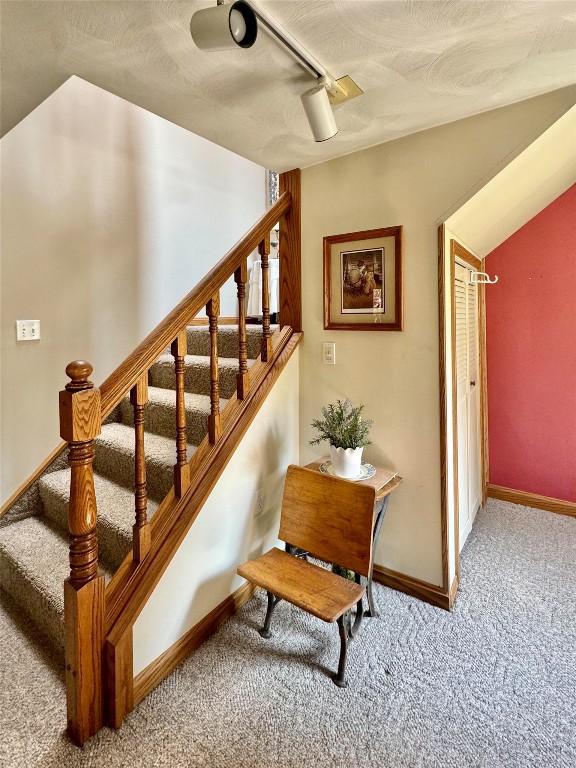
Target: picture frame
[[363, 280]]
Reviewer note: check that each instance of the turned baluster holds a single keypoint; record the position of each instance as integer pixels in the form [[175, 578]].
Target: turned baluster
[[264, 251], [242, 377], [80, 421], [141, 528], [214, 424], [181, 468]]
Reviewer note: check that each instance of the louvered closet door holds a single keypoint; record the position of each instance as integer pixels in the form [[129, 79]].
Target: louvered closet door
[[460, 296], [467, 400], [474, 461]]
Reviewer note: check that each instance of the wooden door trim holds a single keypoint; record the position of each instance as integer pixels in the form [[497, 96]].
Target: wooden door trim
[[443, 413], [457, 250]]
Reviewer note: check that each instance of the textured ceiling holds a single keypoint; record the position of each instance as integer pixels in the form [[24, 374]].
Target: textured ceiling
[[420, 63]]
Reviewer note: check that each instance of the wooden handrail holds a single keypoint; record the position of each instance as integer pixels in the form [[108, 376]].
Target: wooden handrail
[[141, 359]]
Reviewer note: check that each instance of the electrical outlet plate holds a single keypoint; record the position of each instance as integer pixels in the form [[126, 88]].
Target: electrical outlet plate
[[27, 330]]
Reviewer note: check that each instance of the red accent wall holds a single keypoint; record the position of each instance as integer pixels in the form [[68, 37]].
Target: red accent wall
[[531, 349]]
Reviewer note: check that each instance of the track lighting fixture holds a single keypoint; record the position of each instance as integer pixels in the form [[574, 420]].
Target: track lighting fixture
[[229, 25], [319, 113], [224, 26]]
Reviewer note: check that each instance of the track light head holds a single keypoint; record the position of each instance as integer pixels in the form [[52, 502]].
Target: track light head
[[319, 113], [224, 26]]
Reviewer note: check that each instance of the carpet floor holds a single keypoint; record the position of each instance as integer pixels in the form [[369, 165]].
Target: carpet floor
[[492, 685]]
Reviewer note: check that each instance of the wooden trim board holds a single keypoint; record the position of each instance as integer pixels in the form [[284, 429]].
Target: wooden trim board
[[164, 665], [423, 590], [443, 411], [29, 482], [221, 321], [291, 253], [527, 499]]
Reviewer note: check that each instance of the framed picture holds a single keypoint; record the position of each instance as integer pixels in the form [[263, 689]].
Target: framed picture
[[363, 280]]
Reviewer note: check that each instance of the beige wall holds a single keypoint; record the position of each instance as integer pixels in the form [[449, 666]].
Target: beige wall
[[416, 182], [231, 528], [110, 215]]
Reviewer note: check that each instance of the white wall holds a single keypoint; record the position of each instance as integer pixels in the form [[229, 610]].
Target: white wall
[[110, 215], [229, 530], [416, 182]]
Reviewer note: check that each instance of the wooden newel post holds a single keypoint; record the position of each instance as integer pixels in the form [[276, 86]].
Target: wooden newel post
[[80, 421]]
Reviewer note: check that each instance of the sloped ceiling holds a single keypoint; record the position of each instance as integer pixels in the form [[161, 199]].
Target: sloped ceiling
[[540, 174], [421, 63]]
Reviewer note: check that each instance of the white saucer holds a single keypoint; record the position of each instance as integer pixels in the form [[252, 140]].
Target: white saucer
[[366, 471]]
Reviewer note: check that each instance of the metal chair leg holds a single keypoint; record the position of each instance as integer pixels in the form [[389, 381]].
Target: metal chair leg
[[372, 611], [272, 603], [340, 677]]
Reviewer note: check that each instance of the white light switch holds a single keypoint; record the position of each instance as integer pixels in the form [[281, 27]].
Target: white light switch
[[27, 330], [329, 353]]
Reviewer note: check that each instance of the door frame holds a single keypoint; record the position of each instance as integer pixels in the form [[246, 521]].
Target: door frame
[[445, 294]]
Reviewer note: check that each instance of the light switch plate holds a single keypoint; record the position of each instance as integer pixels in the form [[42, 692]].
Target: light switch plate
[[329, 353], [27, 330]]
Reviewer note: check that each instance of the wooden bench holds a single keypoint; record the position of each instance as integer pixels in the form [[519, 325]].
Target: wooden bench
[[332, 520]]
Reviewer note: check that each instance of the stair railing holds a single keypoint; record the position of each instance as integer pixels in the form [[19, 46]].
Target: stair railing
[[84, 408]]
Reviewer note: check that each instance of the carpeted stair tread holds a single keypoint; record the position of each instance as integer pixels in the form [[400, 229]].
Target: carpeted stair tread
[[115, 458], [160, 413], [196, 374], [116, 514], [199, 340], [33, 567]]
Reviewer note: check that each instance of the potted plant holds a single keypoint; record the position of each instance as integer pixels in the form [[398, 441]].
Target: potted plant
[[344, 428]]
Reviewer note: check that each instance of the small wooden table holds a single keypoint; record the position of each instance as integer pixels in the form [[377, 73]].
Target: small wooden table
[[384, 487]]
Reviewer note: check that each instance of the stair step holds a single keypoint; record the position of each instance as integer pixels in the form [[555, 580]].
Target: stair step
[[196, 374], [115, 458], [115, 506], [199, 340], [33, 567], [160, 413]]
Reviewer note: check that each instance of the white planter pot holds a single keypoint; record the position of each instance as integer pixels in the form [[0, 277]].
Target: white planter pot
[[346, 462]]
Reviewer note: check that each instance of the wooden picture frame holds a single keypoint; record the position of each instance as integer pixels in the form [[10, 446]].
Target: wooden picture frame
[[363, 280]]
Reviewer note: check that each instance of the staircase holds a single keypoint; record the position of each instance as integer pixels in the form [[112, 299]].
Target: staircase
[[34, 543], [84, 541]]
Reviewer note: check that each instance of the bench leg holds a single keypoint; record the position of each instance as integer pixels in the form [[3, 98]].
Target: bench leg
[[340, 677], [272, 603], [372, 611]]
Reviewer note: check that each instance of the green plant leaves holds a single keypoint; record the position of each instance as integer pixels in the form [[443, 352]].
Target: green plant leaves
[[342, 425]]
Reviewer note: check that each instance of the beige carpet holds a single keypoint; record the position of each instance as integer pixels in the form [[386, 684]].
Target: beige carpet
[[490, 686]]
